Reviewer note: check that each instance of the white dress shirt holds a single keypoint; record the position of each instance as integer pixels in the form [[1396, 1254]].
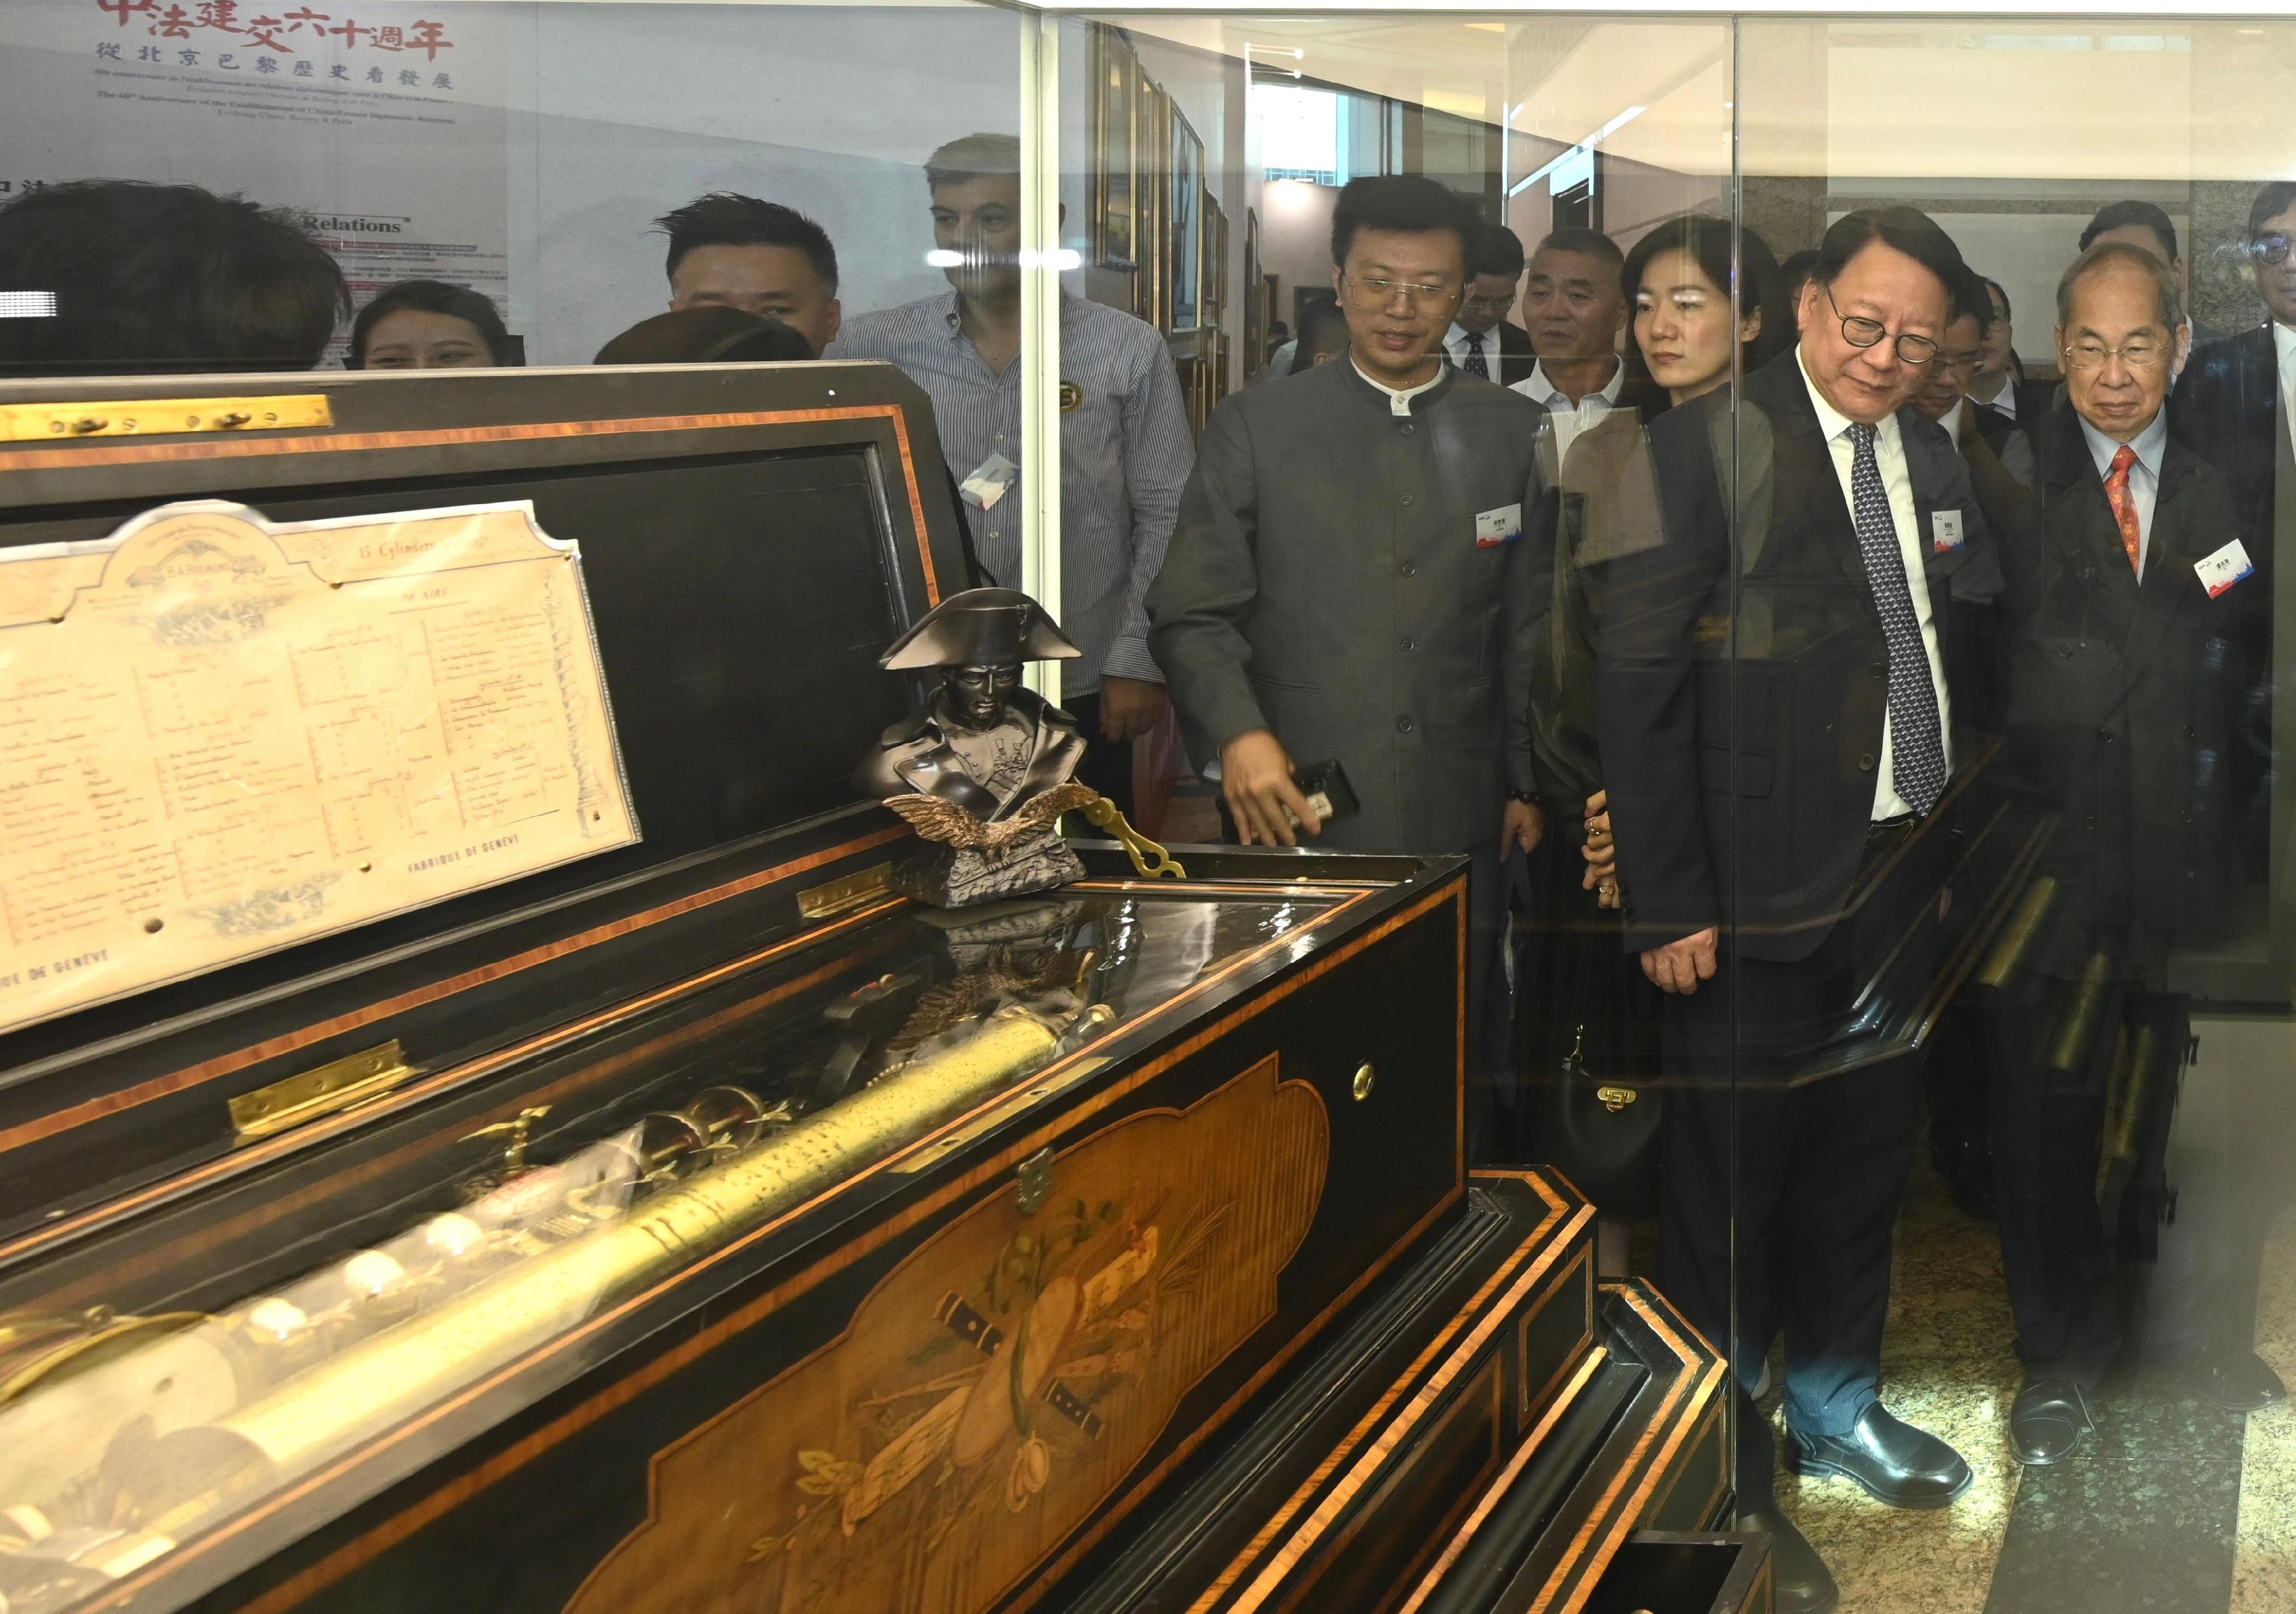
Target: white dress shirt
[[1569, 420], [2284, 346], [1897, 482], [1455, 348], [2003, 403], [2143, 476]]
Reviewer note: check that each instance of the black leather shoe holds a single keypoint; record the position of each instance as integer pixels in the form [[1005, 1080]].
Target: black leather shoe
[[2049, 1421], [2237, 1380], [1890, 1460], [1802, 1583]]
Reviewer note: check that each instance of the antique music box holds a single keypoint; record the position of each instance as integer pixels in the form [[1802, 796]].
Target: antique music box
[[477, 1131]]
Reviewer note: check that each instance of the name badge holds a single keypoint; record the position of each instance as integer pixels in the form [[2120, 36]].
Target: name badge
[[989, 484], [1502, 525], [1944, 531], [2220, 571]]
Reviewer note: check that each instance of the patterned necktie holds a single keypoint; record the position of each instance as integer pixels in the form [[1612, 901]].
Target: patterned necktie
[[1917, 744], [2124, 509], [1475, 365]]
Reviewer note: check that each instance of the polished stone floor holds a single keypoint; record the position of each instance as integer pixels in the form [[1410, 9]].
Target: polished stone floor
[[2174, 1508]]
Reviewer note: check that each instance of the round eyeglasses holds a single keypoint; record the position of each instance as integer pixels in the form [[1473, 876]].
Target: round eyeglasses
[[2269, 249], [1860, 331]]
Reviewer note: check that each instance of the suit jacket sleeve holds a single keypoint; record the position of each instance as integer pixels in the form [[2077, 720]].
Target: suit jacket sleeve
[[1647, 692], [1204, 597], [1156, 459]]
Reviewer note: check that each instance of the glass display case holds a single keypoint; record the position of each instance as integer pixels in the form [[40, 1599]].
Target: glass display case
[[470, 1241]]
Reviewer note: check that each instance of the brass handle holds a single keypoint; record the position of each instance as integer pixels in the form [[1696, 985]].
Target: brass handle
[[1151, 861]]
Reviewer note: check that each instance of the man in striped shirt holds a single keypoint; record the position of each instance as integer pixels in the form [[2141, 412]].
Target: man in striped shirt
[[1125, 447]]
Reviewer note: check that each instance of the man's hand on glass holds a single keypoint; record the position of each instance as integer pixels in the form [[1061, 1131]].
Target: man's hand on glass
[[1679, 967], [1130, 707], [1255, 779]]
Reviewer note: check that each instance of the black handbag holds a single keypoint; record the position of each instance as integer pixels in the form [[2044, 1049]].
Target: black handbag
[[1586, 1034]]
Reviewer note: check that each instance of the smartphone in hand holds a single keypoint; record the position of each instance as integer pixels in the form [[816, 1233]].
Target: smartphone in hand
[[1326, 785]]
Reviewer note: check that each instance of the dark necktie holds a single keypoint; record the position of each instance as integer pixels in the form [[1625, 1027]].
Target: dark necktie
[[1475, 365], [1917, 743]]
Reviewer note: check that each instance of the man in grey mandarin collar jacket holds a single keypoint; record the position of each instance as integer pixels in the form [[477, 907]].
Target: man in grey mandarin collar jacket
[[1325, 584], [1351, 578], [1350, 573]]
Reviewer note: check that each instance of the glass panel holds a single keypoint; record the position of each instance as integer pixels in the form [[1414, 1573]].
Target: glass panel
[[486, 1229], [1356, 577], [2011, 873]]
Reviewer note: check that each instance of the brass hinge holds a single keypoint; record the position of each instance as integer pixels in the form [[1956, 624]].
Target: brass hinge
[[1034, 1181], [336, 1085], [852, 892], [162, 416]]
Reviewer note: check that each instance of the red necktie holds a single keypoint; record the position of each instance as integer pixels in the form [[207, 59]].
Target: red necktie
[[2124, 509]]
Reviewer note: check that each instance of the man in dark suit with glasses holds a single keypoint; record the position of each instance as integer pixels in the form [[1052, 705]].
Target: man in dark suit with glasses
[[1777, 732], [2122, 613], [1482, 341]]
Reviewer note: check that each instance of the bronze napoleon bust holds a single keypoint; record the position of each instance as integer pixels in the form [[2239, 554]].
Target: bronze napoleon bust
[[982, 769]]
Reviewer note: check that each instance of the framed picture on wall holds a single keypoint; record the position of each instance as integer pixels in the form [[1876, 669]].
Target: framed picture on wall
[[1116, 143], [1212, 260], [1255, 299], [1185, 237], [1151, 203]]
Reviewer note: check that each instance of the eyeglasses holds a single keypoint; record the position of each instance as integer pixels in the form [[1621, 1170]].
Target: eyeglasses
[[1943, 362], [2269, 249], [1860, 331], [1490, 305], [2140, 353], [1373, 296]]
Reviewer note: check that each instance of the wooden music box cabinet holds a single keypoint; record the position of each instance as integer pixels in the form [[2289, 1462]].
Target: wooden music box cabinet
[[477, 1132]]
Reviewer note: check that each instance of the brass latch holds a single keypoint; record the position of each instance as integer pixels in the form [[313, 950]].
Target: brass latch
[[842, 895], [336, 1085], [1616, 1098], [162, 416]]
